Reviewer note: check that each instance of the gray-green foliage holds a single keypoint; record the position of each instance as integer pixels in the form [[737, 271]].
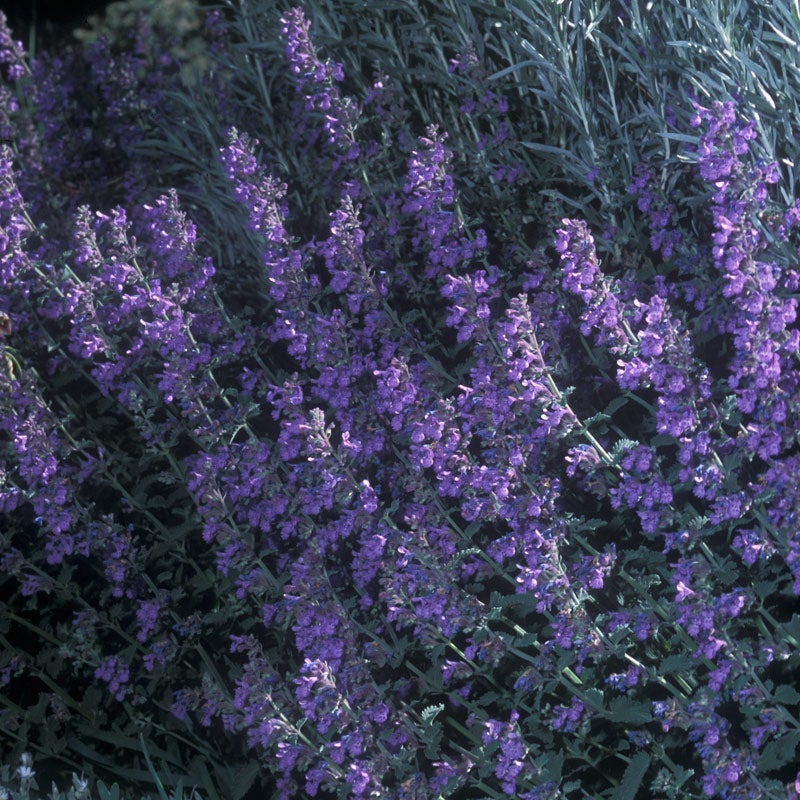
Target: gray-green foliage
[[594, 87], [19, 783], [611, 81]]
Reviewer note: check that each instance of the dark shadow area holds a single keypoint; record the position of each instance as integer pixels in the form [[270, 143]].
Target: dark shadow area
[[39, 24]]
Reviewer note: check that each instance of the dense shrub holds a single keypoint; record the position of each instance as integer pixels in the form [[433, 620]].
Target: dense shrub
[[407, 406]]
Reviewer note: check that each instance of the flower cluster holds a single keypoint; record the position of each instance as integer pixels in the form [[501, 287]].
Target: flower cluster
[[315, 81]]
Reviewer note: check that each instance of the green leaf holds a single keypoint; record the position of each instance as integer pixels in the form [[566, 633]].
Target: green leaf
[[622, 709], [764, 589], [676, 663], [779, 752], [539, 147], [243, 780], [488, 698], [792, 629], [787, 695], [621, 446], [632, 779], [551, 771], [107, 794], [615, 405], [429, 713], [592, 697], [159, 785], [524, 602], [177, 793], [662, 440]]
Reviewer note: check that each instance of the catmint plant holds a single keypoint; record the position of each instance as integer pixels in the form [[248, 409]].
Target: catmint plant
[[400, 442]]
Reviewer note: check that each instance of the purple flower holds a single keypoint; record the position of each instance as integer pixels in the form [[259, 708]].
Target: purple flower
[[469, 298], [161, 652], [510, 761], [12, 53], [116, 674], [593, 570], [315, 83], [582, 277], [147, 617], [359, 778], [261, 194], [622, 681], [753, 546], [661, 213], [429, 193], [650, 495], [569, 718], [32, 584]]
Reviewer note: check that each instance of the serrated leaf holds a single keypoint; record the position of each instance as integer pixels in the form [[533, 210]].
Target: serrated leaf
[[787, 695], [243, 780], [779, 752], [764, 589], [429, 713], [601, 416], [553, 767], [622, 446], [792, 628], [676, 663], [529, 639], [526, 601], [633, 777], [592, 697], [622, 709], [488, 698]]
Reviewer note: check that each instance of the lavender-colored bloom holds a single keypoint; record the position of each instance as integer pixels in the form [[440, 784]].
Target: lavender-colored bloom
[[147, 617], [262, 195], [32, 584], [762, 375], [429, 193], [397, 390], [359, 778], [659, 210], [753, 545], [344, 254], [469, 298], [12, 53], [592, 571], [315, 82], [116, 674], [173, 246], [582, 277], [11, 202], [622, 681], [650, 495], [40, 464], [510, 761], [160, 654], [421, 591], [666, 363], [428, 184], [569, 718]]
